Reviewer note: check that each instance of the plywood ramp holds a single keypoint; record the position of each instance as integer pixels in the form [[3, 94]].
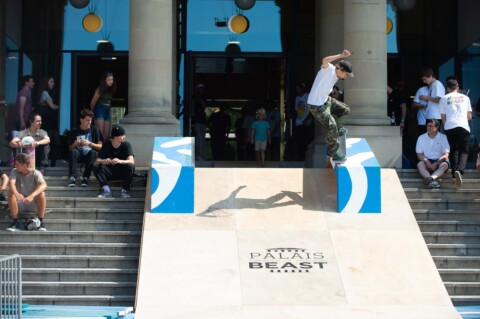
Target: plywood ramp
[[269, 243]]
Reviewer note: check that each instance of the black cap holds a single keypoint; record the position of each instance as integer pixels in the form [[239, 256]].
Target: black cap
[[117, 130], [452, 83], [347, 67]]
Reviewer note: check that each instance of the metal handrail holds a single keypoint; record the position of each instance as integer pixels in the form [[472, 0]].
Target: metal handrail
[[11, 287]]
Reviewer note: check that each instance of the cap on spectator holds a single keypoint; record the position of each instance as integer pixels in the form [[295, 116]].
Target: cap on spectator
[[347, 67], [117, 130]]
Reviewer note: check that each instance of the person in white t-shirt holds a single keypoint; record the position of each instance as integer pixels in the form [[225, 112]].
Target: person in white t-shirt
[[421, 107], [432, 152], [456, 111], [330, 112], [436, 91]]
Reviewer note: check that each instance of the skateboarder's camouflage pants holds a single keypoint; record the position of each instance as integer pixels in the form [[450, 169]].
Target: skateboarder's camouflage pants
[[333, 115]]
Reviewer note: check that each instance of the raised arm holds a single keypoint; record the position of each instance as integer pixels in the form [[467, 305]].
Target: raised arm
[[328, 59]]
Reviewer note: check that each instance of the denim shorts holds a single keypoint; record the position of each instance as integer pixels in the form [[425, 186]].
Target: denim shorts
[[101, 112]]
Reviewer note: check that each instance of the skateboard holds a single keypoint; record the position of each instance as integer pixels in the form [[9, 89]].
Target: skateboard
[[29, 149]]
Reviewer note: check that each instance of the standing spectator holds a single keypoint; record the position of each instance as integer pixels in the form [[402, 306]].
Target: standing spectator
[[331, 114], [199, 120], [41, 141], [49, 113], [274, 120], [435, 92], [27, 192], [24, 103], [397, 104], [240, 135], [456, 111], [247, 131], [84, 143], [260, 136], [219, 124], [421, 107], [101, 101], [432, 152], [115, 161], [3, 185], [303, 121]]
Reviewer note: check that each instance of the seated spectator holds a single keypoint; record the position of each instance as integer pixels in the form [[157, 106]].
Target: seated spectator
[[115, 161], [27, 192], [84, 143], [41, 141], [432, 152], [3, 185]]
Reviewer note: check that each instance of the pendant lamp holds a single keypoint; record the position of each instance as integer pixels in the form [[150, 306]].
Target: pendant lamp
[[238, 24], [244, 4], [79, 4]]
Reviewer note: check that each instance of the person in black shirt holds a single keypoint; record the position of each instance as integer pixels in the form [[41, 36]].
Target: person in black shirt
[[84, 143], [115, 161]]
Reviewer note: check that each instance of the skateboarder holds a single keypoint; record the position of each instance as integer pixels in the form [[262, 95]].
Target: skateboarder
[[330, 112]]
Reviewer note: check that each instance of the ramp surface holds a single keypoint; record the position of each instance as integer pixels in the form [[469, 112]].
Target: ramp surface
[[269, 243]]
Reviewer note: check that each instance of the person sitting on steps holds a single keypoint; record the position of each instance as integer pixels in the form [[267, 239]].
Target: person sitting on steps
[[27, 192]]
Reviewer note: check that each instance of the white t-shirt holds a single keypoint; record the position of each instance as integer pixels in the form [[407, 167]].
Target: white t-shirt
[[436, 89], [322, 86], [432, 148], [421, 113], [301, 108], [455, 106]]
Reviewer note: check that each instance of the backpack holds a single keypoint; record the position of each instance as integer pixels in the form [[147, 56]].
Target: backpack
[[32, 223]]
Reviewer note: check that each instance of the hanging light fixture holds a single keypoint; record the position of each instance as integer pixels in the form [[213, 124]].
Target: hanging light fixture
[[92, 22], [244, 4], [79, 4], [238, 24]]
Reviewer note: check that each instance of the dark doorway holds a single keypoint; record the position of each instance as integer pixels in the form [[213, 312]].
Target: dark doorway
[[88, 70]]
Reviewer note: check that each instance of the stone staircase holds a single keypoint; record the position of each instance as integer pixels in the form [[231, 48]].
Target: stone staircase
[[449, 219], [89, 253]]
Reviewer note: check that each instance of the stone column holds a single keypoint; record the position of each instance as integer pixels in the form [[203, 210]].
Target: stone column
[[366, 94], [151, 71], [328, 41]]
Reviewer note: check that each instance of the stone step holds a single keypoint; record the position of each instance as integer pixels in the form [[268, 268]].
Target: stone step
[[98, 300], [85, 225], [94, 202], [454, 249], [66, 288], [72, 236], [87, 249], [460, 275], [90, 191], [451, 237], [442, 204], [425, 214], [463, 288], [80, 213], [459, 300], [454, 262], [413, 173], [449, 226], [445, 183], [442, 193], [79, 261], [79, 274]]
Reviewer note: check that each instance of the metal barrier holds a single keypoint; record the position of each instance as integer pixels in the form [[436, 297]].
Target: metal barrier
[[11, 287]]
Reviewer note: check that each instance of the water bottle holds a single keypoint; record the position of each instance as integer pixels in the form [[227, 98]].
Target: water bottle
[[392, 119]]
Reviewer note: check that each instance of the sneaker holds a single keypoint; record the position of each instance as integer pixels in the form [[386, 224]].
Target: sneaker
[[71, 182], [338, 157], [15, 226], [342, 131], [84, 182], [434, 184], [125, 194], [42, 227], [105, 194], [458, 179], [428, 180]]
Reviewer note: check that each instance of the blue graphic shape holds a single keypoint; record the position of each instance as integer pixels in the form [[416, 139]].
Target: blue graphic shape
[[358, 179], [173, 175]]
